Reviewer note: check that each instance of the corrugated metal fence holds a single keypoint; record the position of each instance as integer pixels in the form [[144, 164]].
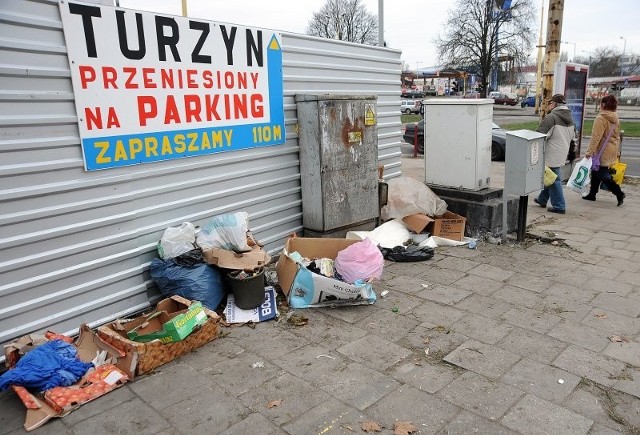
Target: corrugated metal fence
[[75, 246]]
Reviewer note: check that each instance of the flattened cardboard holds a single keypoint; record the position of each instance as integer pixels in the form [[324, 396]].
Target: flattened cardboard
[[94, 384], [226, 259], [417, 222], [153, 354], [59, 401], [38, 412], [16, 349], [267, 311]]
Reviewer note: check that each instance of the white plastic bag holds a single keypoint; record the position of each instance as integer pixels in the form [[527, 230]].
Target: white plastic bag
[[408, 196], [225, 231], [360, 261], [388, 235], [580, 176], [177, 240]]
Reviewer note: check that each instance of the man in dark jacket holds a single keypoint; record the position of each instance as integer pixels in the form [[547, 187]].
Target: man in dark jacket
[[560, 130]]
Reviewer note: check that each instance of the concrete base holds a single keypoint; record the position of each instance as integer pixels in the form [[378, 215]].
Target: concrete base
[[482, 208], [341, 233]]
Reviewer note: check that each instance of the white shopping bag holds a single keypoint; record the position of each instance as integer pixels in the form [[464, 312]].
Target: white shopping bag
[[580, 177]]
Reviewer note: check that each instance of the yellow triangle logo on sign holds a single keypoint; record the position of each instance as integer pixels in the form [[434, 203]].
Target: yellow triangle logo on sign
[[273, 44]]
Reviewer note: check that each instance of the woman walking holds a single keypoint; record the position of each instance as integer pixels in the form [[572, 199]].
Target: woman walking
[[605, 142]]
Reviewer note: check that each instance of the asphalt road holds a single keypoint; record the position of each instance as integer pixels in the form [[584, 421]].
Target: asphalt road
[[630, 146], [631, 156]]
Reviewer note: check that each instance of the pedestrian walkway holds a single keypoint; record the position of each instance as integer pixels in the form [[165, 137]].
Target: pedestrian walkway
[[539, 337]]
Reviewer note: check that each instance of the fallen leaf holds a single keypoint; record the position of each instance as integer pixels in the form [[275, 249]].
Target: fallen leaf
[[619, 339], [601, 316], [274, 403], [370, 426], [298, 320], [404, 428]]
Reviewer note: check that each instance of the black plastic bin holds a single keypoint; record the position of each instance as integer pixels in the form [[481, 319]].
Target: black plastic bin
[[248, 291]]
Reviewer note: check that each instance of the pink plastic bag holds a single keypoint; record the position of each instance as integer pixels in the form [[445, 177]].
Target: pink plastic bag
[[362, 260]]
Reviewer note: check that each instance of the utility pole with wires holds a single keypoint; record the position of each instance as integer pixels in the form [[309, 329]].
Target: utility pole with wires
[[552, 50], [539, 62]]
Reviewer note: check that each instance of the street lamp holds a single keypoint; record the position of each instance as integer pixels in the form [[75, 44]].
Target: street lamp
[[624, 48], [574, 49]]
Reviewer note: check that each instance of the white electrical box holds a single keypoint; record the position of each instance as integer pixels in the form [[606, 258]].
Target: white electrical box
[[524, 162], [457, 149]]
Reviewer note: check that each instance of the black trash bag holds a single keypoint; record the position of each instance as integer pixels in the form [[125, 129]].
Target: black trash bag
[[407, 253], [189, 258], [199, 282]]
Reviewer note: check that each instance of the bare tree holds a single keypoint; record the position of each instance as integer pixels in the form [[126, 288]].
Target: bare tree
[[477, 32], [346, 20], [603, 62]]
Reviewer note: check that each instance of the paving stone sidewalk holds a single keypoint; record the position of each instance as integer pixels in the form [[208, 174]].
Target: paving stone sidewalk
[[540, 337]]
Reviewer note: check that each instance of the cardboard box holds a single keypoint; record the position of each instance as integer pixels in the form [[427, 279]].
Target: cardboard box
[[417, 222], [59, 401], [449, 225], [307, 289], [167, 327], [267, 311], [226, 259], [147, 356]]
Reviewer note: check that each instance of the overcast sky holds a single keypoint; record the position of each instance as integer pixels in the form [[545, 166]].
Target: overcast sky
[[411, 25]]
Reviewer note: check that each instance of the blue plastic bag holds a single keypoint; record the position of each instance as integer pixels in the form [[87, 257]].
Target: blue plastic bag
[[52, 364], [200, 282]]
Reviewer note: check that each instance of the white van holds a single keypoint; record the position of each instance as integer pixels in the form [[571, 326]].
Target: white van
[[410, 106]]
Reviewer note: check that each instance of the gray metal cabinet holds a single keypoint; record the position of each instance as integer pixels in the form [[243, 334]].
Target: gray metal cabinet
[[338, 160]]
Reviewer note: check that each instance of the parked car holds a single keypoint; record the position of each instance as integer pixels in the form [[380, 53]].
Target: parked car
[[505, 99], [498, 143], [498, 138], [413, 130], [411, 93], [530, 101], [410, 106], [472, 94]]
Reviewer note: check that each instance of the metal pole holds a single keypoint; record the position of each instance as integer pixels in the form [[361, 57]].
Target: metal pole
[[505, 203], [522, 217], [624, 48], [539, 61], [494, 76], [184, 8], [381, 23], [552, 51], [574, 50]]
